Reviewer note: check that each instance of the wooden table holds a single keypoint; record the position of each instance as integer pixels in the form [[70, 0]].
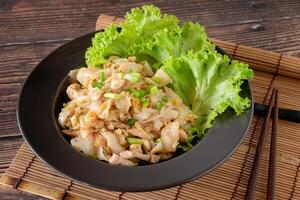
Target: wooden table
[[29, 30]]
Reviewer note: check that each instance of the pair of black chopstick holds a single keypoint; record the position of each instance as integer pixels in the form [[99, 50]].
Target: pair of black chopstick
[[259, 151]]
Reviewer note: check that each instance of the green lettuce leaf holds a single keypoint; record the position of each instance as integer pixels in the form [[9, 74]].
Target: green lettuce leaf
[[148, 35], [171, 41], [209, 83], [140, 24]]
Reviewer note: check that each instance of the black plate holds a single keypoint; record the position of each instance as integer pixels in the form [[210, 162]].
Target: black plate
[[38, 105]]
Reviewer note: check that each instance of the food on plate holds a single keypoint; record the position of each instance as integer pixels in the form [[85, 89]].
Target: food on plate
[[150, 88], [124, 113]]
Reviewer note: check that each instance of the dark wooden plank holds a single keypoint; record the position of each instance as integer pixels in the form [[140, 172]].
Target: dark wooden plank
[[8, 149], [16, 62], [277, 35], [35, 21]]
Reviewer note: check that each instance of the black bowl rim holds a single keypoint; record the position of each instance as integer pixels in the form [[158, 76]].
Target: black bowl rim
[[126, 189]]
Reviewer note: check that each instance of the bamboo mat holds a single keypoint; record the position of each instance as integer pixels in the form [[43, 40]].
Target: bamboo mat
[[229, 181]]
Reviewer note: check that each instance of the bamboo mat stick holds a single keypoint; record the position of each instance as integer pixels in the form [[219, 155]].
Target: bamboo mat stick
[[259, 152], [272, 161]]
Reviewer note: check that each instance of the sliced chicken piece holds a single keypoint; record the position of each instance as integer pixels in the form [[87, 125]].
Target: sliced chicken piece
[[94, 93], [71, 133], [103, 112], [123, 104], [163, 77], [170, 136], [154, 158], [73, 91], [176, 100], [100, 140], [136, 148], [101, 154], [140, 132], [136, 105], [169, 114], [131, 58], [112, 142], [185, 115], [133, 154], [127, 67], [91, 120], [72, 74], [113, 115], [121, 137], [84, 75], [166, 156], [157, 124], [146, 145], [85, 143], [109, 125], [124, 116], [66, 112], [166, 115], [75, 122], [118, 160], [120, 125], [158, 148], [182, 136], [117, 83], [94, 106], [145, 114], [155, 98]]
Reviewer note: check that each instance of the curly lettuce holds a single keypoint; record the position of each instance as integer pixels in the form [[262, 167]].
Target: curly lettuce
[[209, 83], [148, 35]]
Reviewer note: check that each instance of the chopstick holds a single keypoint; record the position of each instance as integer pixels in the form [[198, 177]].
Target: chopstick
[[259, 151], [272, 159]]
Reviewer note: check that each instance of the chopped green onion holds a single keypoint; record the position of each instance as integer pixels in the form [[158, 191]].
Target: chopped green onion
[[145, 102], [97, 84], [134, 140], [131, 122], [137, 93], [112, 95], [160, 104], [156, 79], [164, 99], [101, 77], [153, 90], [133, 77], [158, 140]]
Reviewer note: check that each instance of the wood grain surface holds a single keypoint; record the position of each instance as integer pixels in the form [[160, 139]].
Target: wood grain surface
[[29, 30]]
